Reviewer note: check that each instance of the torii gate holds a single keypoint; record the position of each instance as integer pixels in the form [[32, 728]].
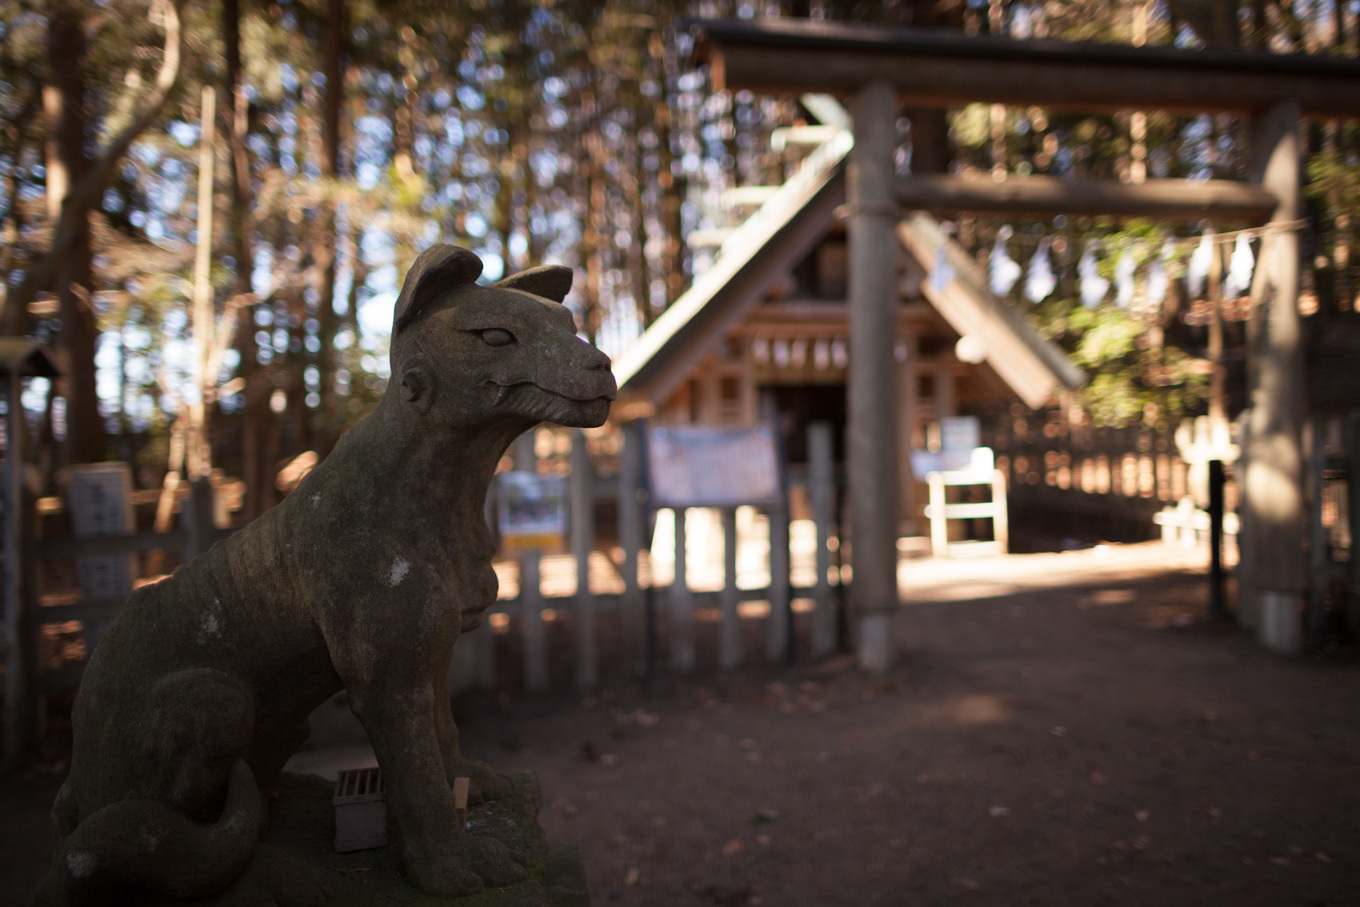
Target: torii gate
[[883, 70]]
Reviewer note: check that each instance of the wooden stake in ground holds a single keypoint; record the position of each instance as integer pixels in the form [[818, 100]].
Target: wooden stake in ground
[[460, 800]]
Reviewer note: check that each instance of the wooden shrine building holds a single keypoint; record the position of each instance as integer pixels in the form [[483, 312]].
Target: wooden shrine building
[[768, 325]]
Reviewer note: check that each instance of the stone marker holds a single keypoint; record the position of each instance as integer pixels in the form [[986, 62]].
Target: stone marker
[[363, 578]]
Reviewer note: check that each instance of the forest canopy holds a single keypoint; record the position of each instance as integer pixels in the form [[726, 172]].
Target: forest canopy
[[207, 206]]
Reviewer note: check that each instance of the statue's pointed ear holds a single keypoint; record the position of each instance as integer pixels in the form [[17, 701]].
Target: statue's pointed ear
[[549, 281], [438, 269]]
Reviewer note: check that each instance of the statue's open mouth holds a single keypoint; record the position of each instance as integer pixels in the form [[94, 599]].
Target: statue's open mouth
[[504, 391]]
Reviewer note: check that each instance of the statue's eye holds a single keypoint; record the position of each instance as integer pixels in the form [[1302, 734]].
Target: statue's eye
[[497, 337]]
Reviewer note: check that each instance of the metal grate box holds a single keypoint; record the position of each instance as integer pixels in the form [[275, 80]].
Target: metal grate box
[[360, 810]]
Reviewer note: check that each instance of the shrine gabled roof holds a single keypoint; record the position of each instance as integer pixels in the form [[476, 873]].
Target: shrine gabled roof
[[757, 255], [751, 260]]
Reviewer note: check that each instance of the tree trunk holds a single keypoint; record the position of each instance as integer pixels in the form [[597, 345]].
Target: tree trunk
[[254, 420], [67, 163], [334, 69]]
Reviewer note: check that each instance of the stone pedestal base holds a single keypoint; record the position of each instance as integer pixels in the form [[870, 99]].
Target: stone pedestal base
[[302, 831], [873, 644], [1279, 622]]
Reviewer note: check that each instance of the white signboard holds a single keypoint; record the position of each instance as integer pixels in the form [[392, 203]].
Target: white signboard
[[98, 501], [712, 466], [960, 433], [976, 464], [533, 510]]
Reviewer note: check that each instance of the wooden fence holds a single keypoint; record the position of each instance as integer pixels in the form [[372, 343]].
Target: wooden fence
[[1079, 480], [596, 582], [34, 670], [616, 583], [1333, 445]]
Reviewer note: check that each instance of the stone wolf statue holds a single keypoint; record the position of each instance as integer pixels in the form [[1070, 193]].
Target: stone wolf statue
[[363, 578]]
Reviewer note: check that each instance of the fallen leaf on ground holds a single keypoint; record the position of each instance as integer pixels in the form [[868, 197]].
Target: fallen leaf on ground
[[733, 846], [997, 812], [1142, 815], [1279, 861], [632, 876]]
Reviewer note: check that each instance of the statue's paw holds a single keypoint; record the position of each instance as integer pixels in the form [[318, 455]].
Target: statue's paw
[[493, 861], [464, 866], [486, 784], [446, 877]]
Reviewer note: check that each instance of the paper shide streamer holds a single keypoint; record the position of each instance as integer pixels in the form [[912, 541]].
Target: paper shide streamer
[[1004, 270], [1040, 283], [1123, 279], [1240, 267], [1093, 287], [1198, 270]]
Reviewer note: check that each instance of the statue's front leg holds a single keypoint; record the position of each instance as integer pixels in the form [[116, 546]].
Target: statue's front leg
[[396, 705], [486, 782]]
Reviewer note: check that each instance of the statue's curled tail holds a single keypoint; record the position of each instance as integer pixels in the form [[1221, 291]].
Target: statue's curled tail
[[143, 846]]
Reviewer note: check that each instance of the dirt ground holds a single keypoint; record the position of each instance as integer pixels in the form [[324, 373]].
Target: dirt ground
[[1059, 729]]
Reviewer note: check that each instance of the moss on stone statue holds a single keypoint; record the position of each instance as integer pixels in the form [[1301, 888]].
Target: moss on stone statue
[[302, 827]]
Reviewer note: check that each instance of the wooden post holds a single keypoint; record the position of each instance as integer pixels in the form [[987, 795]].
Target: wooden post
[[20, 684], [1243, 573], [1353, 512], [682, 605], [1319, 558], [729, 635], [582, 540], [909, 389], [872, 405], [535, 630], [821, 488], [630, 538], [1216, 478], [939, 524], [530, 590], [483, 644], [779, 629], [1274, 479], [198, 518], [1001, 520]]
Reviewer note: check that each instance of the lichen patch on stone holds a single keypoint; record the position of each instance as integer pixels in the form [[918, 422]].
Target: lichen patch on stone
[[80, 864], [209, 627], [400, 567]]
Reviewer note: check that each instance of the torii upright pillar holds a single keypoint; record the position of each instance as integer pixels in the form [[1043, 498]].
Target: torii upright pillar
[[873, 453], [1275, 505]]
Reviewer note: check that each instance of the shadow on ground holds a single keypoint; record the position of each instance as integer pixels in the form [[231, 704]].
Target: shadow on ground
[[1062, 732]]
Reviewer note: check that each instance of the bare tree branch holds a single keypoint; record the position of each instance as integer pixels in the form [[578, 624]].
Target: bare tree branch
[[86, 193]]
